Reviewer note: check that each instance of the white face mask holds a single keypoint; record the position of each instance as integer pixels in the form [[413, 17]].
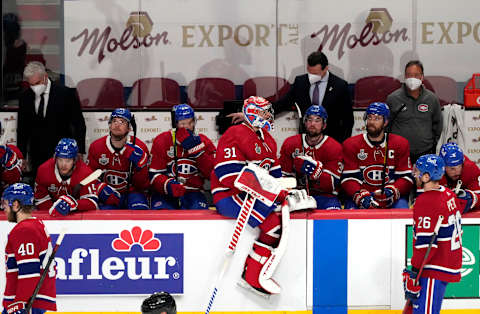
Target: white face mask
[[39, 89], [313, 78], [413, 83]]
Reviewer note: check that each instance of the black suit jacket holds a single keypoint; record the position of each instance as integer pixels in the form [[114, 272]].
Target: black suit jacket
[[63, 118], [337, 103]]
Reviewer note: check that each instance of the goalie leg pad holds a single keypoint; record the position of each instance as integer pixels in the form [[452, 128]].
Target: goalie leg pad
[[270, 230], [255, 272]]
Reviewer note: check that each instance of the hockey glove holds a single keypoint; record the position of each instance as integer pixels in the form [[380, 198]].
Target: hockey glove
[[108, 195], [8, 157], [174, 188], [412, 291], [364, 200], [387, 199], [63, 206], [308, 166], [137, 156], [191, 143], [17, 308], [470, 197]]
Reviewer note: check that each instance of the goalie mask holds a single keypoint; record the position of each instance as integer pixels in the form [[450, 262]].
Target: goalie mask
[[258, 112], [159, 303]]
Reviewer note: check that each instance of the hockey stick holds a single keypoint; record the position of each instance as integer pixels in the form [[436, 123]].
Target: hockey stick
[[45, 271], [434, 237], [303, 147], [240, 223], [174, 140], [130, 165], [90, 178]]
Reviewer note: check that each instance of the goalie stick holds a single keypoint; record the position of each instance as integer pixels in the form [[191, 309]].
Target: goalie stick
[[45, 270], [89, 179], [425, 258], [253, 180]]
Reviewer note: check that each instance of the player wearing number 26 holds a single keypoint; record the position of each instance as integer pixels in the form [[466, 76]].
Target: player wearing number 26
[[28, 249], [437, 255]]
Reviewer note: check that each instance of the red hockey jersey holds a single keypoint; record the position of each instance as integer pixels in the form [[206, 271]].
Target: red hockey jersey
[[27, 252], [445, 259], [470, 178], [191, 172], [363, 164], [239, 145], [49, 186], [328, 152], [116, 165]]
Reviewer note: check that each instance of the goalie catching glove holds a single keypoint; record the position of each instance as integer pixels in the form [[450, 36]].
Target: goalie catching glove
[[308, 166], [190, 142]]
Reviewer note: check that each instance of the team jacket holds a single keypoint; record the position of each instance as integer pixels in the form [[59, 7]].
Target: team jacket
[[27, 252], [116, 165], [328, 152], [445, 259], [191, 172], [49, 186], [363, 164], [470, 179], [238, 146]]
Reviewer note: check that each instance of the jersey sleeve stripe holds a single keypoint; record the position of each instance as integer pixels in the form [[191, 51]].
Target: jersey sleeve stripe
[[42, 200], [222, 170], [424, 240], [12, 270], [276, 172], [331, 173], [443, 269], [29, 269], [28, 276], [219, 189], [45, 298], [11, 262], [30, 260], [352, 179]]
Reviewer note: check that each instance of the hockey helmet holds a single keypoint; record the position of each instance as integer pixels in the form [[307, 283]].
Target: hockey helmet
[[253, 106], [315, 110], [159, 302], [431, 164], [66, 148], [378, 108], [20, 192], [183, 112], [452, 154], [121, 113]]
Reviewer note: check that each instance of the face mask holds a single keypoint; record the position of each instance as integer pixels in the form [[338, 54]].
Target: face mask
[[38, 89], [413, 83], [313, 78]]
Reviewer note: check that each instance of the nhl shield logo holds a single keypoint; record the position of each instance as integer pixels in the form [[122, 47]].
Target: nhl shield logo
[[362, 155], [258, 150], [103, 160]]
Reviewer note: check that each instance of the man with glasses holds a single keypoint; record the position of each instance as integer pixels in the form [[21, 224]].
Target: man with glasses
[[124, 161], [377, 171], [416, 112], [315, 159]]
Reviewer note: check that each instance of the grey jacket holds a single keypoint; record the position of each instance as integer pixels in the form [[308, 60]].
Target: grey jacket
[[420, 121]]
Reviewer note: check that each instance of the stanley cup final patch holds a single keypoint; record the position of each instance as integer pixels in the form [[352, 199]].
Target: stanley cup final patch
[[362, 155], [422, 107]]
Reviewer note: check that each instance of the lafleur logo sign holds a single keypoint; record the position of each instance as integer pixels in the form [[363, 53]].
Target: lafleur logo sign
[[377, 30], [134, 261]]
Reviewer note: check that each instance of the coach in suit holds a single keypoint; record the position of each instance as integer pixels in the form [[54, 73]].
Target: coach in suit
[[319, 86], [47, 113]]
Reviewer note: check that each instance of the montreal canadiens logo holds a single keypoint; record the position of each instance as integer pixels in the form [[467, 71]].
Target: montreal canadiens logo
[[373, 175], [422, 107], [143, 238]]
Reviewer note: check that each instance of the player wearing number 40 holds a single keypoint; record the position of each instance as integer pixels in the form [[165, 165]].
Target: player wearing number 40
[[437, 252], [28, 248]]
